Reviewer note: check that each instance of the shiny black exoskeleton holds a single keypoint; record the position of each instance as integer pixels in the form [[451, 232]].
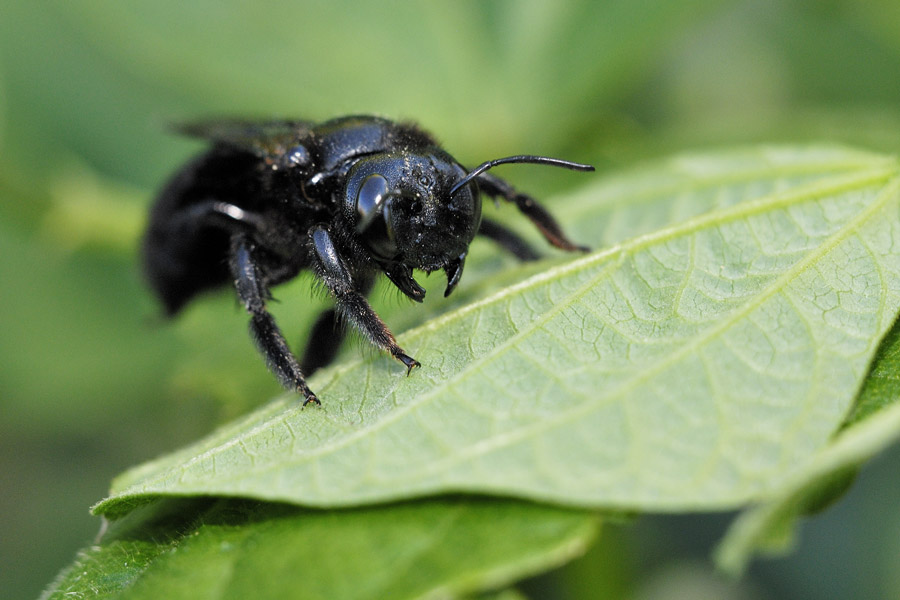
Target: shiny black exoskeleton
[[347, 199]]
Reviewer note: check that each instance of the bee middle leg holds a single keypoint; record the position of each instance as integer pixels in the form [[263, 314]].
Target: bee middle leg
[[325, 340], [253, 291], [507, 239]]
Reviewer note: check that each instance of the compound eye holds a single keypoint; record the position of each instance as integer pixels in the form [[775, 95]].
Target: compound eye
[[373, 212], [372, 194]]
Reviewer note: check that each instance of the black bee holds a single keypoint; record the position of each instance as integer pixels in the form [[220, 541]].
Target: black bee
[[347, 199]]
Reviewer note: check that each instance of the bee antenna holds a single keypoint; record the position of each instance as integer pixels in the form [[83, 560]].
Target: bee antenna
[[521, 158]]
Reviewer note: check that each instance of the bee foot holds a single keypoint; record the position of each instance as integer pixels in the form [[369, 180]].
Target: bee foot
[[410, 362]]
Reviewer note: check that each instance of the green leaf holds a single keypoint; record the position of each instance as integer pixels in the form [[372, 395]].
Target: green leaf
[[508, 594], [882, 386], [699, 361], [769, 526], [208, 549], [873, 425]]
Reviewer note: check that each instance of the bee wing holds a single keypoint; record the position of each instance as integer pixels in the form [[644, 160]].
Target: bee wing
[[266, 139]]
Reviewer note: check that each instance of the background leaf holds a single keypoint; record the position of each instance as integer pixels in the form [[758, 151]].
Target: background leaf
[[239, 549], [882, 386], [723, 349]]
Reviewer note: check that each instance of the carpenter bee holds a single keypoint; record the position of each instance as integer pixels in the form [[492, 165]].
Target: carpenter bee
[[347, 199]]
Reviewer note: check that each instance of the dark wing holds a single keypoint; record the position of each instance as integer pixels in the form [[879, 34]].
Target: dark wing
[[269, 140]]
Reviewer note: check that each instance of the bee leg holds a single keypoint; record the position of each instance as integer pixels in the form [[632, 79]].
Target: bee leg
[[528, 206], [508, 240], [326, 337], [351, 302], [253, 291], [324, 341]]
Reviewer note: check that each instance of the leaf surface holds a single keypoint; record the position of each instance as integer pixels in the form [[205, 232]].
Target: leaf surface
[[769, 526], [872, 427], [697, 361]]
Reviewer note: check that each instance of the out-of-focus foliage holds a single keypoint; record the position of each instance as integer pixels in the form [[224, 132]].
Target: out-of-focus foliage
[[92, 381]]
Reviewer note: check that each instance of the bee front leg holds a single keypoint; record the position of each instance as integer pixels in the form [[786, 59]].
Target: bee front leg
[[350, 301], [252, 290], [531, 208]]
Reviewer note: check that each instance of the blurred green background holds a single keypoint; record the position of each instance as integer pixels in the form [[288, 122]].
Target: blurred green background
[[92, 381]]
